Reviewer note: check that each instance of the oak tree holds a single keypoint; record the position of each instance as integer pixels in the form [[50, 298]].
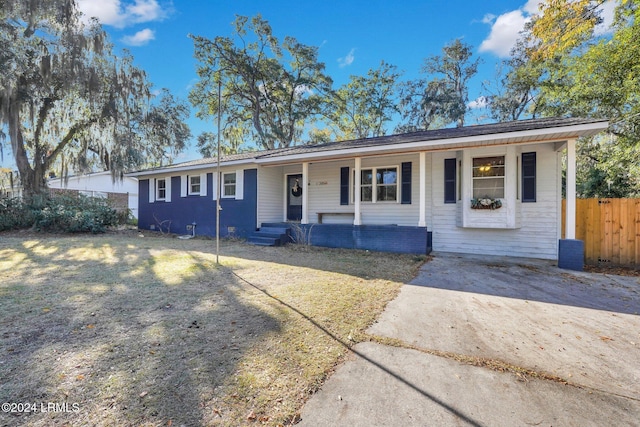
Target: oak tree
[[67, 102], [270, 89], [443, 99], [362, 107]]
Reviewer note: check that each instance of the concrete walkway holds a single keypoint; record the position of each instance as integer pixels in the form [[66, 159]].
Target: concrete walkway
[[580, 327]]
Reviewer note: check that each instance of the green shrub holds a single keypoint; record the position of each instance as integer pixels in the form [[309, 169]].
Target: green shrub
[[59, 214], [75, 214], [15, 214]]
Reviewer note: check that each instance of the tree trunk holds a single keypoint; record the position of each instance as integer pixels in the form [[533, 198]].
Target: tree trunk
[[31, 178]]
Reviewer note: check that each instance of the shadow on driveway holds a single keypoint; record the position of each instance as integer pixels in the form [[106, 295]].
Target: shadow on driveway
[[532, 280]]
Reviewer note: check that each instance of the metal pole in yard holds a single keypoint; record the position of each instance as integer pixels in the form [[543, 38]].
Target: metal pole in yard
[[217, 180]]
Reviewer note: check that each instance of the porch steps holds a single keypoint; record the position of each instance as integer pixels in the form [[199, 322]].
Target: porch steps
[[270, 235]]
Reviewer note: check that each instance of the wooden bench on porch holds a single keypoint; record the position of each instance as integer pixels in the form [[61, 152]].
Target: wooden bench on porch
[[321, 214]]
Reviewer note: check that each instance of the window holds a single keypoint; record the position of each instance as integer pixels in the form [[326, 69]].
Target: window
[[379, 185], [161, 189], [229, 184], [387, 185], [366, 185], [488, 177], [194, 184]]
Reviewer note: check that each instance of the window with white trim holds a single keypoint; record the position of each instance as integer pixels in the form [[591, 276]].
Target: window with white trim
[[161, 189], [379, 184], [229, 184], [194, 184], [488, 177]]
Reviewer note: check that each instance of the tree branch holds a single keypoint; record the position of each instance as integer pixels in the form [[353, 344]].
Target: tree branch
[[50, 158]]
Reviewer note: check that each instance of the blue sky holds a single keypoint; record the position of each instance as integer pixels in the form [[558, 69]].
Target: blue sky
[[353, 35]]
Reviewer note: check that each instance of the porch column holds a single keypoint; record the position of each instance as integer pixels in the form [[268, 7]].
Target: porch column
[[305, 193], [570, 220], [356, 191], [422, 220]]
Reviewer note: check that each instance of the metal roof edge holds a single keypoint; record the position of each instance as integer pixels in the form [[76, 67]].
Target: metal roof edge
[[186, 167]]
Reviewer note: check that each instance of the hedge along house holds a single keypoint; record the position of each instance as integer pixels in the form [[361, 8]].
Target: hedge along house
[[486, 189]]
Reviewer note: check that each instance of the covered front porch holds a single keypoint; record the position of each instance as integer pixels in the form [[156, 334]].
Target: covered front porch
[[373, 203], [357, 191]]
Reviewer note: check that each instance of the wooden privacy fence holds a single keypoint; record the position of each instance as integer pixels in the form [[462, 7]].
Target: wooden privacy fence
[[610, 229]]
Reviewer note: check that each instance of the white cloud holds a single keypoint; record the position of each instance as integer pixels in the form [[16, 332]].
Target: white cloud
[[480, 102], [107, 11], [119, 14], [347, 60], [488, 18], [504, 33], [145, 11], [506, 28], [140, 38], [532, 7], [607, 12]]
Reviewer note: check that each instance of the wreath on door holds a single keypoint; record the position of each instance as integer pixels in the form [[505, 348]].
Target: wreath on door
[[296, 190]]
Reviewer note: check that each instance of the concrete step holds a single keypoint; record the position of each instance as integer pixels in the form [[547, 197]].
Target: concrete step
[[257, 239], [273, 230], [271, 234]]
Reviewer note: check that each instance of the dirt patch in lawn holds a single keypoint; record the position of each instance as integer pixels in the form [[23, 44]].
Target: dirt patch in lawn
[[616, 270], [122, 329]]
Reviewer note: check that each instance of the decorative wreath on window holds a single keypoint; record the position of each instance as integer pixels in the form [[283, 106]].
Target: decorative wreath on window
[[296, 190]]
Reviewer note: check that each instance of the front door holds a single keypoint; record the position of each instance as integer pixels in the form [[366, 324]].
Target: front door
[[294, 197]]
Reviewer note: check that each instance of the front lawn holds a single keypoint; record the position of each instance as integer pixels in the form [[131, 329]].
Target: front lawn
[[149, 331]]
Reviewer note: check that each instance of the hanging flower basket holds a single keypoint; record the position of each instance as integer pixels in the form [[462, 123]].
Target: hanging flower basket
[[486, 203]]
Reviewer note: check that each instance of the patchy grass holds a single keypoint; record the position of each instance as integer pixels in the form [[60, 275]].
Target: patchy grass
[[150, 331]]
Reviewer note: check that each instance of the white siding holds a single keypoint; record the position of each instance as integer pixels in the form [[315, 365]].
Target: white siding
[[324, 193], [394, 213], [102, 182], [537, 236], [96, 182], [270, 194]]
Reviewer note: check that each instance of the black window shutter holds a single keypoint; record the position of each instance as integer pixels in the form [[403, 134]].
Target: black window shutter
[[529, 177], [450, 180], [344, 185], [406, 183]]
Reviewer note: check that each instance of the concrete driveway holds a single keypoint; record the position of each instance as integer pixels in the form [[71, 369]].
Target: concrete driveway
[[580, 331]]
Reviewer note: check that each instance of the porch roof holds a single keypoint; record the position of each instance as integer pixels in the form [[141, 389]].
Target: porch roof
[[515, 132]]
